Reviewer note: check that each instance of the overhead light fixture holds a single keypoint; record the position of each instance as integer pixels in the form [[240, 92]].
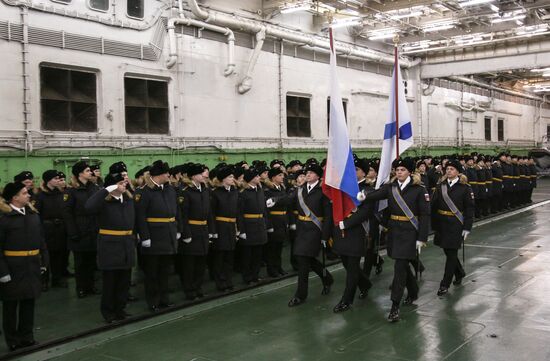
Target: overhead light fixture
[[543, 70], [294, 9], [496, 9], [474, 2], [345, 23], [408, 15], [503, 19], [381, 36], [438, 27], [546, 75]]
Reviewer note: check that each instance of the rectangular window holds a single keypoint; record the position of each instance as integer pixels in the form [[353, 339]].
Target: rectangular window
[[68, 100], [101, 5], [548, 133], [344, 104], [134, 8], [298, 116], [487, 128], [146, 103], [500, 129]]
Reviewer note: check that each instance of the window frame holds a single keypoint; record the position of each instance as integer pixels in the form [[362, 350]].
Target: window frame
[[97, 75], [135, 17], [88, 3], [298, 117], [499, 138], [490, 119], [147, 78]]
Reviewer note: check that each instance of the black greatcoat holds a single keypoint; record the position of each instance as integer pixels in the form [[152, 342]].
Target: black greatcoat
[[195, 206], [308, 235], [114, 252], [497, 176], [448, 229], [156, 202], [354, 241], [471, 174], [49, 204], [402, 236], [21, 233], [81, 225], [225, 204], [252, 201], [277, 215]]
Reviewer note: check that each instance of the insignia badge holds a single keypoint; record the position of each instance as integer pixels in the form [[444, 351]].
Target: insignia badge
[[137, 197], [427, 197], [65, 197], [180, 200]]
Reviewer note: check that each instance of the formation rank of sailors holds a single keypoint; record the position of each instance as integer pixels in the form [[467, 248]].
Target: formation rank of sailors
[[190, 219]]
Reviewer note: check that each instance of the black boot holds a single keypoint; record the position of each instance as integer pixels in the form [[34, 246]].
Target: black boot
[[394, 313]]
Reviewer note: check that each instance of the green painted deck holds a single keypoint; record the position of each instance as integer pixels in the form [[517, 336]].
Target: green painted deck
[[501, 312]]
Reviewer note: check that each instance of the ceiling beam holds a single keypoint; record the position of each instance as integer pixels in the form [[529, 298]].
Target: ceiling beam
[[489, 64]]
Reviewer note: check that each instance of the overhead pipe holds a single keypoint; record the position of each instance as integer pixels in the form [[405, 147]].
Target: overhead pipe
[[253, 26], [246, 83], [464, 79], [182, 20]]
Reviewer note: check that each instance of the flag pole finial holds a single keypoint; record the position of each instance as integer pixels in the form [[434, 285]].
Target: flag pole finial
[[396, 40]]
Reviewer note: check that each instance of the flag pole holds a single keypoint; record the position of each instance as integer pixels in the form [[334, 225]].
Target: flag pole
[[396, 95], [332, 50]]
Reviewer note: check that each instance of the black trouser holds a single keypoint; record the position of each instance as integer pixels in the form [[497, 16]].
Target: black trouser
[[251, 261], [273, 255], [530, 195], [84, 270], [453, 267], [305, 265], [192, 275], [57, 267], [370, 261], [116, 285], [508, 199], [355, 277], [291, 239], [18, 327], [403, 277], [223, 268], [157, 272], [497, 202]]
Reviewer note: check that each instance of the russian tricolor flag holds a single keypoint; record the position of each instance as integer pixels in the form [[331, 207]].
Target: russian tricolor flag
[[340, 181]]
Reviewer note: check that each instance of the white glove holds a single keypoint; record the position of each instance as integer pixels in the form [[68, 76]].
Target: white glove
[[187, 240], [270, 203], [214, 235], [361, 196], [146, 243], [324, 243], [341, 225], [242, 236], [292, 227], [111, 188], [43, 270], [5, 279], [465, 234], [178, 235], [270, 230], [419, 246]]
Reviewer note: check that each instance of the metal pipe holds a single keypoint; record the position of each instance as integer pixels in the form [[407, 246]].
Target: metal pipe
[[25, 73], [182, 20], [463, 79], [254, 26], [246, 83]]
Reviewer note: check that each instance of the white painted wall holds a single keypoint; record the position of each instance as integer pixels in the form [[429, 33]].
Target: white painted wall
[[206, 109]]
